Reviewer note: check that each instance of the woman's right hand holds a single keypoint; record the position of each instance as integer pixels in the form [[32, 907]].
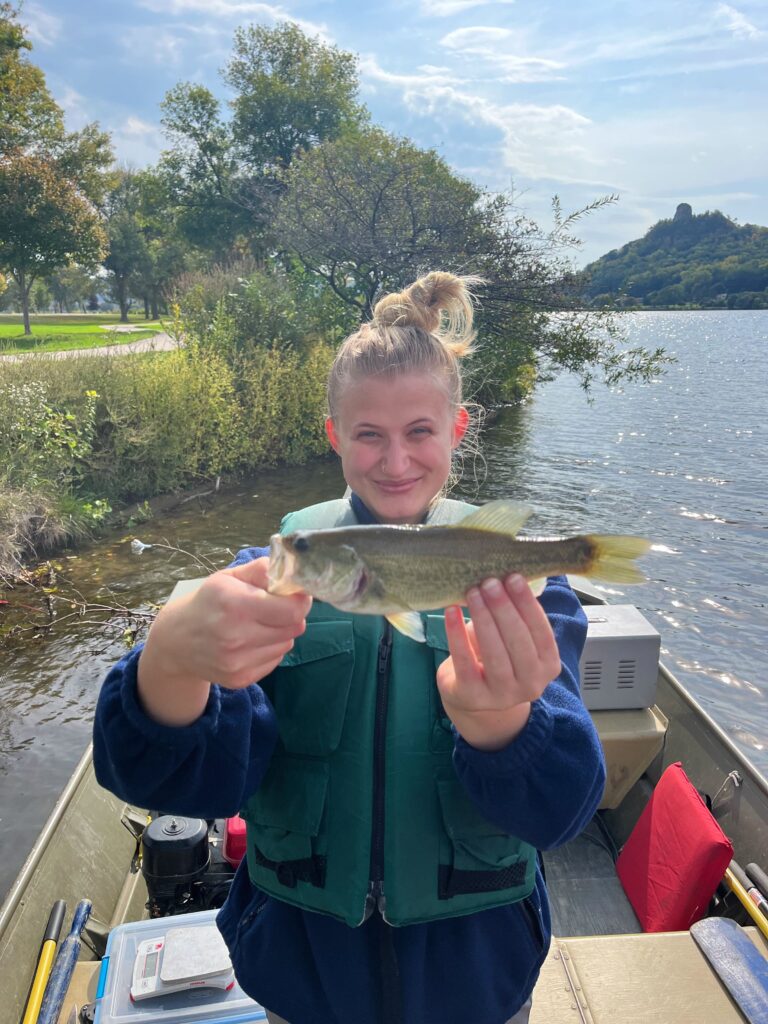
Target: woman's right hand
[[229, 631]]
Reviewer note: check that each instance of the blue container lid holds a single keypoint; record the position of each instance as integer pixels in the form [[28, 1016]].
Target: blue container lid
[[197, 1006]]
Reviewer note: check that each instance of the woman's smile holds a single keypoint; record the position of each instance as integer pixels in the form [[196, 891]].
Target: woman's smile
[[395, 435]]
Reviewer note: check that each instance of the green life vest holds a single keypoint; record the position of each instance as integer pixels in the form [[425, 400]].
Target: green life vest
[[361, 806]]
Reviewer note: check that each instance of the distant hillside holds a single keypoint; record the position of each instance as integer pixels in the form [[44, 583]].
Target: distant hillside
[[691, 261]]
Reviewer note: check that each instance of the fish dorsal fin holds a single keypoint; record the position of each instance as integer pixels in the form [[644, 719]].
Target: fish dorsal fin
[[410, 624], [497, 517]]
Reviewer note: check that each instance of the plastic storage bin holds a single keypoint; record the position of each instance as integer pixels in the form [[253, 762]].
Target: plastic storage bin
[[197, 1006]]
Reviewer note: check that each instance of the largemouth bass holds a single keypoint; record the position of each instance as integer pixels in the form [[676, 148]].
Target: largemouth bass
[[399, 571]]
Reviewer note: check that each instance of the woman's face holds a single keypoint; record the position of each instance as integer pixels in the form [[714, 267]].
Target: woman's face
[[395, 435]]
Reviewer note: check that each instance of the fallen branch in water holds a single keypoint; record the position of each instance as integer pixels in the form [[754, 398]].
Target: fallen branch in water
[[62, 604]]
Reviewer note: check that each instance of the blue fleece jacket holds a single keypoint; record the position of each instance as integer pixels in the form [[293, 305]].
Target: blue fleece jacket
[[311, 969]]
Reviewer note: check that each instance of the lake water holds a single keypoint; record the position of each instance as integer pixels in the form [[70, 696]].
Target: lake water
[[681, 460]]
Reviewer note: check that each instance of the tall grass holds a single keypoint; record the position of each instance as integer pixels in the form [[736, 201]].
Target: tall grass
[[79, 437]]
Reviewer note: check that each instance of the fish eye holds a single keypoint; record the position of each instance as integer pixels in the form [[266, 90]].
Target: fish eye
[[301, 544]]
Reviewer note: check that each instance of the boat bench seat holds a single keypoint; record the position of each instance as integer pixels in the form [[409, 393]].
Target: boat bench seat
[[633, 979], [631, 740]]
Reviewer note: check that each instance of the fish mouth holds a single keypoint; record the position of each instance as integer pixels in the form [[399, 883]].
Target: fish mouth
[[281, 569]]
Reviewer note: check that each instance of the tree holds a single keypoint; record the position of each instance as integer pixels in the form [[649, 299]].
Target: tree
[[29, 117], [146, 252], [45, 223], [31, 122], [128, 256], [291, 93], [71, 287], [201, 173], [49, 178], [368, 212]]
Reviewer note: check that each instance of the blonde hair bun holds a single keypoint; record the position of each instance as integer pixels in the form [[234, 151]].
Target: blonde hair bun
[[439, 303]]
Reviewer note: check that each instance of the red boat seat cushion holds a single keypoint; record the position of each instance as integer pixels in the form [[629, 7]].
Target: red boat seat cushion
[[675, 857]]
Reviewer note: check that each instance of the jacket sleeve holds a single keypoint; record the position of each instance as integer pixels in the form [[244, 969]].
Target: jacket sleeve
[[205, 769], [547, 783]]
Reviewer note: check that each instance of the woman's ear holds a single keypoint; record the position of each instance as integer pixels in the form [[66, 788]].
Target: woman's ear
[[460, 425], [330, 430]]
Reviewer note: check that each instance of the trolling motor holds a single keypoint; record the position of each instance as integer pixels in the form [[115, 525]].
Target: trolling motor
[[183, 866]]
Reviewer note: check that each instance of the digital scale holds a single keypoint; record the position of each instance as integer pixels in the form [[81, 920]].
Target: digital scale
[[182, 959]]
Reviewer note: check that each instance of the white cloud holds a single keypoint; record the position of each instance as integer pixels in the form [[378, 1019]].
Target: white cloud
[[137, 143], [161, 46], [42, 27], [532, 138], [702, 35], [698, 149], [501, 48], [76, 107], [215, 8], [737, 23], [696, 67], [445, 8], [422, 78], [234, 10], [135, 127]]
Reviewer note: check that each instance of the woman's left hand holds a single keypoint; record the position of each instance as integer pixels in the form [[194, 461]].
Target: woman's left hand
[[500, 661]]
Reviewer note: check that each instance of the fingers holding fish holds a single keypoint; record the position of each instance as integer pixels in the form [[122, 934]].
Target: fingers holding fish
[[236, 629], [229, 631], [539, 628], [517, 648], [500, 662]]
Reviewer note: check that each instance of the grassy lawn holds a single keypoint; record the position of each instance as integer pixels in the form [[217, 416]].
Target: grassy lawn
[[56, 333]]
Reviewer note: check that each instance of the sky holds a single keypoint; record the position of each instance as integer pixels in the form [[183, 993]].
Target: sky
[[660, 102]]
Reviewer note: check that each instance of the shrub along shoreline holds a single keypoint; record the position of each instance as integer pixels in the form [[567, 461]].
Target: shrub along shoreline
[[82, 438]]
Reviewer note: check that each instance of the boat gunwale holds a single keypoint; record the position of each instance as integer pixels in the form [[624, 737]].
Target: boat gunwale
[[21, 882]]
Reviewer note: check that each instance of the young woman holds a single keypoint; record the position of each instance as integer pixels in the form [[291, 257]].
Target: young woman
[[395, 793]]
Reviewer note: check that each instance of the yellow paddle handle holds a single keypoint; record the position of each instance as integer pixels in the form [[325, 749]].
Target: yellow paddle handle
[[44, 964], [744, 898]]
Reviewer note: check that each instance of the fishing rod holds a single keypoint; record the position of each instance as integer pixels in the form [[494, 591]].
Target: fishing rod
[[735, 879], [58, 983]]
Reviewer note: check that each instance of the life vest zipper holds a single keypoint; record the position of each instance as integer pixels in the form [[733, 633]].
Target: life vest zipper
[[375, 898]]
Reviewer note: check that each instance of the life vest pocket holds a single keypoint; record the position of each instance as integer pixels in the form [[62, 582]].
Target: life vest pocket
[[479, 857], [309, 689], [442, 730], [283, 819]]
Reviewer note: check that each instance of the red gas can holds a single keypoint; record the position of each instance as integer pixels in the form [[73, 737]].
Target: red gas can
[[234, 840]]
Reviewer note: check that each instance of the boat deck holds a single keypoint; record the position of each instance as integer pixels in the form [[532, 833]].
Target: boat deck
[[585, 894]]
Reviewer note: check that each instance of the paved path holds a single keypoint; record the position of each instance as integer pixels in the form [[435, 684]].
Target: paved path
[[161, 342]]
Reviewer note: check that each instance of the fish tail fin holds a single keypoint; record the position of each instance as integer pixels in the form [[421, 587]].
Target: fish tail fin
[[614, 557]]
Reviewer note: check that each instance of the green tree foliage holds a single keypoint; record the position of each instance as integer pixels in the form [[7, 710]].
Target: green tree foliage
[[704, 260], [71, 288], [146, 252], [201, 173], [31, 122], [128, 255], [49, 178], [290, 93], [166, 251], [29, 117], [45, 223], [243, 309], [368, 213]]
